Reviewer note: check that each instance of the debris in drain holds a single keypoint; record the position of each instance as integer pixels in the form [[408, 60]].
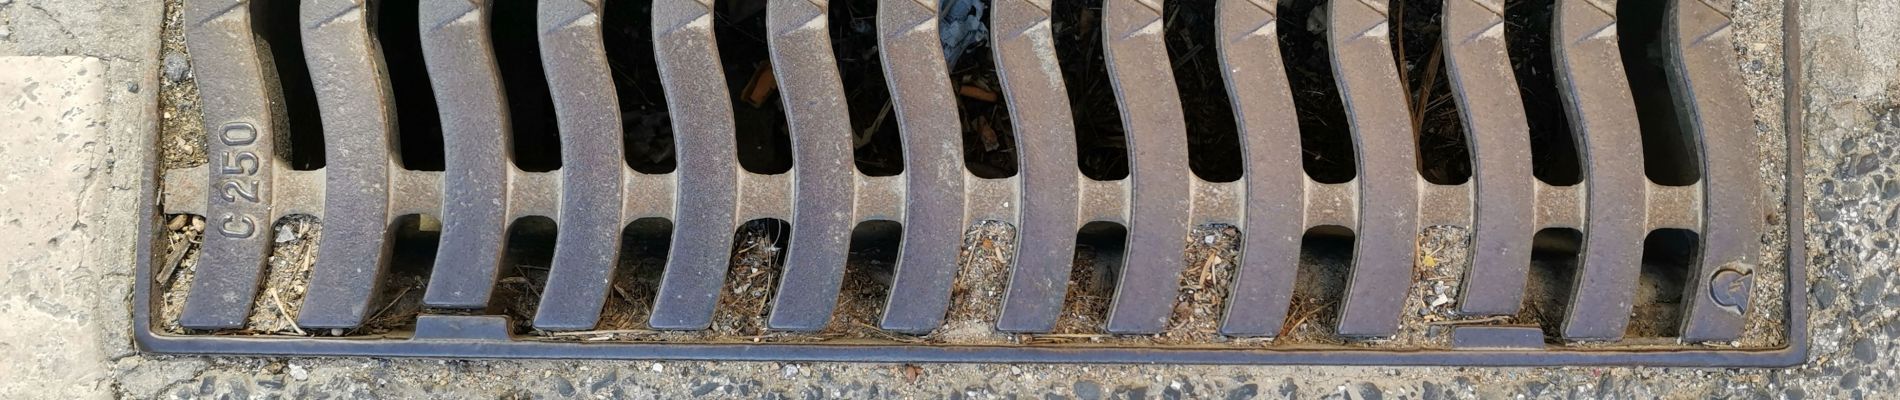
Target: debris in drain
[[287, 278], [518, 293], [1091, 284], [184, 233], [960, 26], [1212, 251], [867, 281], [1443, 158], [181, 123], [982, 277], [1325, 261], [1431, 303], [630, 298], [756, 259], [1212, 255], [399, 300]]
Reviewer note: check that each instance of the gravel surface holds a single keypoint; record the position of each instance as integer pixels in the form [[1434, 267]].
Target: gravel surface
[[68, 337]]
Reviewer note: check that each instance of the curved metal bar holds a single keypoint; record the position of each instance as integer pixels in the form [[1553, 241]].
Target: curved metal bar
[[588, 244], [1708, 89], [476, 172], [1596, 96], [1479, 67], [824, 189], [1045, 133], [358, 113], [933, 164], [1388, 177], [240, 139], [708, 176], [1158, 166], [1275, 192]]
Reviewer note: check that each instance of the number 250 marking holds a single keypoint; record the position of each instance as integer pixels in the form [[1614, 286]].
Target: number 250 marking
[[232, 190]]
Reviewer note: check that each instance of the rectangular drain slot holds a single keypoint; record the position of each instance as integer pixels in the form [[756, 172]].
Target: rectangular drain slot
[[1472, 182]]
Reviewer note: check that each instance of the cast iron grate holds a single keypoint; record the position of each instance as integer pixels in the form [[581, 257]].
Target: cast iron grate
[[573, 156]]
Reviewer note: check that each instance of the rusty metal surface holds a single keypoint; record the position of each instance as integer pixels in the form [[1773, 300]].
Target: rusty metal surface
[[1045, 134], [593, 196], [1596, 95], [1708, 88], [933, 216], [1360, 41], [353, 90], [1479, 66], [239, 141]]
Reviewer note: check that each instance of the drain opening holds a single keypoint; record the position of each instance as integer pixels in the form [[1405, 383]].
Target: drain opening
[[646, 128], [1320, 285], [535, 134], [1444, 156], [286, 277], [644, 245], [418, 126], [760, 130], [1441, 269], [1101, 144], [1669, 152], [299, 123], [180, 242], [869, 269], [524, 274], [877, 149], [758, 255], [1212, 256], [1555, 157], [1213, 135], [414, 239], [1325, 134], [982, 278], [1669, 255], [1098, 259], [1553, 273], [989, 141]]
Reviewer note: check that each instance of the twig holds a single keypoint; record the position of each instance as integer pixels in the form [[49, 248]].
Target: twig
[[392, 303], [285, 314], [865, 137], [1485, 320], [605, 332], [1207, 268], [624, 296], [529, 283], [171, 263]]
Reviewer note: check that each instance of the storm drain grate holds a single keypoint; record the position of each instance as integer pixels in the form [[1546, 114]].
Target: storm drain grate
[[1221, 181]]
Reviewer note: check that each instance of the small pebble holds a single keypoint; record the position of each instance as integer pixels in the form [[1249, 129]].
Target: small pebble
[[176, 68], [298, 372], [285, 234], [1087, 390]]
